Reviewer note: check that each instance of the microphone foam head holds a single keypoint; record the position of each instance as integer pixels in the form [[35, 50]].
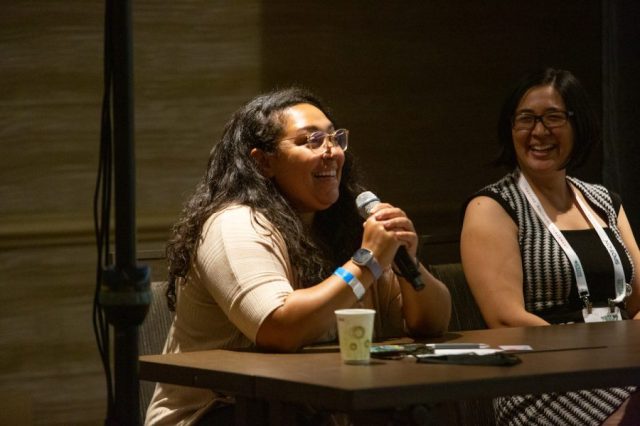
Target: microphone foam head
[[365, 202]]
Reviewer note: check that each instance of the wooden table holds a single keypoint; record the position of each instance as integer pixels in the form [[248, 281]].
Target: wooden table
[[566, 357]]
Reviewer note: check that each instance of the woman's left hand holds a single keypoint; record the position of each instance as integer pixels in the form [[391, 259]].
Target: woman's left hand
[[396, 220], [426, 312]]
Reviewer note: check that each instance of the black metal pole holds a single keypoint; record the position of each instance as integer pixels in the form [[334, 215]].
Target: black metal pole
[[125, 295], [123, 121]]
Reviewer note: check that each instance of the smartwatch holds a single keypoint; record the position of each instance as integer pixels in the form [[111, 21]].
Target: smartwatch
[[364, 257]]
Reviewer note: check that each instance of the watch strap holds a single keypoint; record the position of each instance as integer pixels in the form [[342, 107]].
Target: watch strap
[[374, 267], [371, 263]]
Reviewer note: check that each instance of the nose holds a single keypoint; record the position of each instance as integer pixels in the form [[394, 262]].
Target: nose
[[328, 144], [328, 152], [539, 127]]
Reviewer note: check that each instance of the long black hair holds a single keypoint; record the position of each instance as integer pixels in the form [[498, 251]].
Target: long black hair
[[584, 120], [233, 177]]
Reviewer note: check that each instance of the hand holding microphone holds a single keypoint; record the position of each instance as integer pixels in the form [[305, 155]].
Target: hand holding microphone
[[365, 202]]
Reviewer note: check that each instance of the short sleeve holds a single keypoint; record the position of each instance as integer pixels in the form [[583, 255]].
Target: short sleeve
[[244, 266], [493, 195]]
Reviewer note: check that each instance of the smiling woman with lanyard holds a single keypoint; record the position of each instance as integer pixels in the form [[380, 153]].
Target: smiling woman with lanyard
[[540, 247]]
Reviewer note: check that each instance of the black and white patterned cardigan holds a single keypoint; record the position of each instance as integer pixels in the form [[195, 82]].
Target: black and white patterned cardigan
[[548, 275], [548, 279]]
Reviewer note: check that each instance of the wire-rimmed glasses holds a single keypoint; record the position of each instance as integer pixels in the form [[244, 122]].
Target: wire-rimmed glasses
[[550, 120], [315, 140]]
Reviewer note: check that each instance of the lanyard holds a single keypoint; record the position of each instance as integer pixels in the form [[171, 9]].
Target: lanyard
[[583, 289]]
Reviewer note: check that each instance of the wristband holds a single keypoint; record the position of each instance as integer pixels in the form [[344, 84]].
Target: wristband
[[353, 282]]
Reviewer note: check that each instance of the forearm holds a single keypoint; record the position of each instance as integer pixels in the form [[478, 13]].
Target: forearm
[[514, 318], [633, 304], [427, 312], [308, 313]]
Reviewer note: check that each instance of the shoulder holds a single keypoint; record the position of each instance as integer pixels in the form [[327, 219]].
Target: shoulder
[[484, 204], [504, 190], [488, 214], [233, 212], [594, 188], [238, 229], [598, 194], [239, 222], [238, 215], [497, 198]]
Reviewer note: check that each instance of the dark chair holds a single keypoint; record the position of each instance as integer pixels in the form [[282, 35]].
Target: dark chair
[[440, 248], [465, 315], [442, 254], [153, 331], [152, 335]]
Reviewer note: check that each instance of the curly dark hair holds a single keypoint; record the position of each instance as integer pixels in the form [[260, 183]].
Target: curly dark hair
[[233, 177], [584, 120]]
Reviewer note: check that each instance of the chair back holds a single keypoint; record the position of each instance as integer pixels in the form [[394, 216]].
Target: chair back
[[465, 314], [152, 335], [439, 248], [442, 253]]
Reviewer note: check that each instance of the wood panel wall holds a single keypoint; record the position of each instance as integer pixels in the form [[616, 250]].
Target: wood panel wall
[[419, 84], [195, 61]]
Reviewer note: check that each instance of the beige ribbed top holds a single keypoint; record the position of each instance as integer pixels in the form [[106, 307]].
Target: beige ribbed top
[[240, 274]]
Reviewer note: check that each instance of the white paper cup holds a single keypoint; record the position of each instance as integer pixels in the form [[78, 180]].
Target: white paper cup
[[355, 330]]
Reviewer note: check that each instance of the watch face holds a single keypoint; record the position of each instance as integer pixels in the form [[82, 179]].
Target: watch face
[[362, 256]]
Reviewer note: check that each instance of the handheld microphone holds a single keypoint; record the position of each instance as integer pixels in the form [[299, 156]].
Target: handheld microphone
[[365, 202]]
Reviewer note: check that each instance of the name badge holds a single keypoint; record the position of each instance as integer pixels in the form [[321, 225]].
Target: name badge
[[601, 315]]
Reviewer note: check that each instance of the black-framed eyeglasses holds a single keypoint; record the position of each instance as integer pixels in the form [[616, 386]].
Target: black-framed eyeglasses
[[550, 120], [315, 140]]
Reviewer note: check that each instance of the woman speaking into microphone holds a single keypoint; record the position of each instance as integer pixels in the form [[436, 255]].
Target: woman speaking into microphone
[[271, 244]]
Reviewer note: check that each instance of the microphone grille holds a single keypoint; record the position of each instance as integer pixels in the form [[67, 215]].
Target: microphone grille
[[365, 202]]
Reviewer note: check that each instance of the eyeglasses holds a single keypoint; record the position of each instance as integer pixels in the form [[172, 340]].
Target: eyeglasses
[[550, 120], [315, 140]]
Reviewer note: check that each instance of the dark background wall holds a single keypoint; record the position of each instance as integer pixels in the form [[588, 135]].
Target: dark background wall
[[418, 83], [621, 86]]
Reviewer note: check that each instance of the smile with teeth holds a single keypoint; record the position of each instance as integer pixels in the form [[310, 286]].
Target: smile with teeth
[[542, 148], [325, 174]]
